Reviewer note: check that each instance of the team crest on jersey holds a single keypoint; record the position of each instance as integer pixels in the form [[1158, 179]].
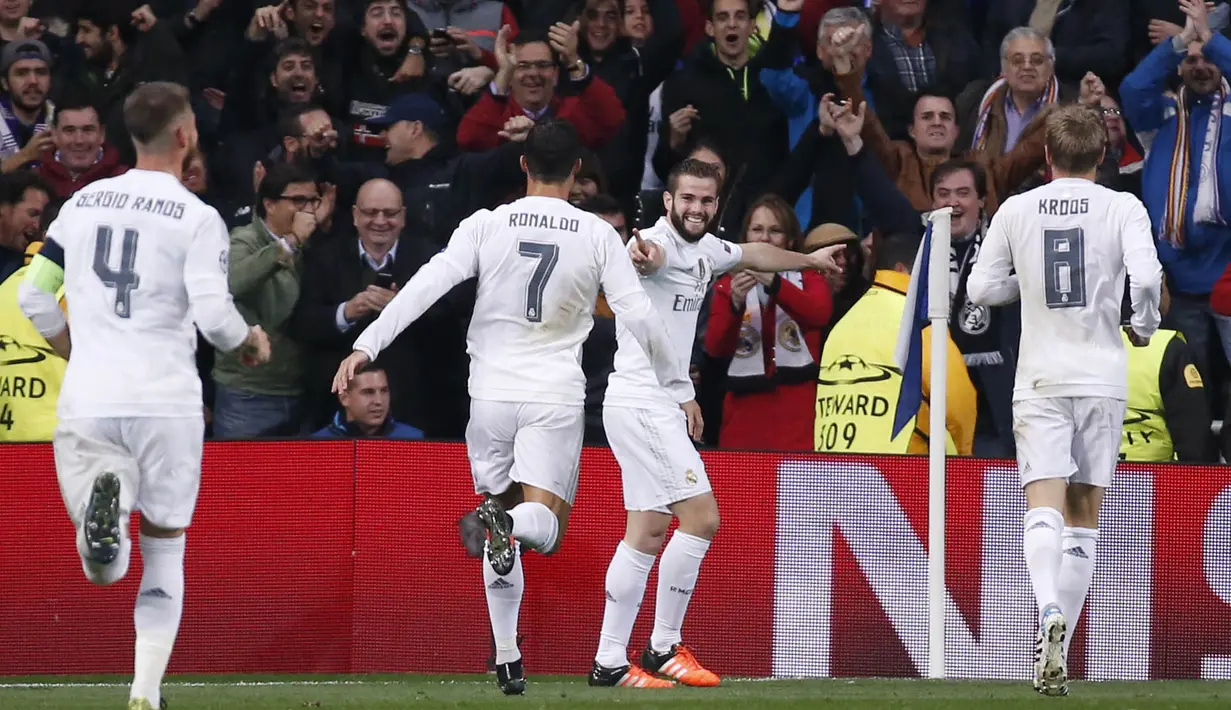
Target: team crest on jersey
[[703, 271], [974, 319], [790, 337], [690, 478], [224, 260]]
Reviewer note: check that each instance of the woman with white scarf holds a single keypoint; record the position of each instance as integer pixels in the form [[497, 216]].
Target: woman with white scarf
[[770, 325]]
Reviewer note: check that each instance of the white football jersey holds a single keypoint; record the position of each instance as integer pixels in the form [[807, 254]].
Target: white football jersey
[[143, 259], [540, 263], [1071, 242], [677, 291]]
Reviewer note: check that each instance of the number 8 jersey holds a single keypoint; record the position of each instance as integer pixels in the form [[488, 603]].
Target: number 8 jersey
[[1071, 242], [143, 262]]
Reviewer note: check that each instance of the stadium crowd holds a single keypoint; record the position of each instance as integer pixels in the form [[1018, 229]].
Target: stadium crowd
[[344, 140]]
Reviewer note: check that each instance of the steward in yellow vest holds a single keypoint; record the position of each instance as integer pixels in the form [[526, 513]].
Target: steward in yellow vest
[[857, 388], [1168, 415], [30, 371]]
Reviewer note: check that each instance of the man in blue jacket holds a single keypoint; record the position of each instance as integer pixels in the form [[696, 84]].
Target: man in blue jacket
[[365, 410], [1186, 183]]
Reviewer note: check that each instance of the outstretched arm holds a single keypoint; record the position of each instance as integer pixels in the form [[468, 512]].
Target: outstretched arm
[[458, 262]]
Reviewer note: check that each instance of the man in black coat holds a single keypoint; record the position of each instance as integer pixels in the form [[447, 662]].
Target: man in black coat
[[347, 282], [440, 186], [718, 96]]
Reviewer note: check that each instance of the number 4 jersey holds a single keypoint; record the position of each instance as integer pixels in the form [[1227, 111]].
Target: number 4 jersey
[[1071, 242], [141, 259], [540, 263]]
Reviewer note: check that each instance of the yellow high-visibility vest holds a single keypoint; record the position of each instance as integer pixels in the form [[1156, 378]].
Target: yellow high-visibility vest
[[857, 388], [30, 372], [1144, 436]]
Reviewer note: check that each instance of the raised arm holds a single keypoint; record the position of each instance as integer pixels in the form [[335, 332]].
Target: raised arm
[[458, 262], [633, 308]]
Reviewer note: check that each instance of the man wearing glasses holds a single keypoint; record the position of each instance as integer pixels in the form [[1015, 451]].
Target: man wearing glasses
[[993, 117], [266, 266], [347, 283]]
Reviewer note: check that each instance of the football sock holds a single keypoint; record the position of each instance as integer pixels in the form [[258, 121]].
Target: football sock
[[677, 575], [160, 604], [113, 571], [535, 525], [626, 578], [504, 605], [1041, 543], [1076, 573]]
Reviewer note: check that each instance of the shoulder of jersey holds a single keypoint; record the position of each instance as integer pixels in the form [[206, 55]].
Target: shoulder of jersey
[[478, 216], [188, 196], [657, 232], [1013, 201]]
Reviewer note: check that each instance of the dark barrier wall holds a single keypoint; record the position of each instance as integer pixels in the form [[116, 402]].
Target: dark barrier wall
[[344, 557]]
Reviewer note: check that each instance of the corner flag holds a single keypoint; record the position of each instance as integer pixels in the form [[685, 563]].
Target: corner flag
[[908, 355]]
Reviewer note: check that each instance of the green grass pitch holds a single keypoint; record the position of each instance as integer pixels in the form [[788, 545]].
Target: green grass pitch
[[430, 692]]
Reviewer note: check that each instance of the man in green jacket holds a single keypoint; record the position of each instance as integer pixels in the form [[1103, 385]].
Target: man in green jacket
[[265, 271]]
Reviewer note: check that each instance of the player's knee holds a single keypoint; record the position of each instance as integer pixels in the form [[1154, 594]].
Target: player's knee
[[1081, 506], [647, 541], [701, 520], [707, 525], [151, 530]]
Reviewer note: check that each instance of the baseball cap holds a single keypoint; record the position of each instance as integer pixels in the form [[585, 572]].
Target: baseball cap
[[827, 235], [25, 49], [412, 107]]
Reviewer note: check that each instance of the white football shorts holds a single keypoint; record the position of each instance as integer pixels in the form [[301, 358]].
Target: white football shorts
[[525, 442], [1075, 438], [658, 463], [157, 459]]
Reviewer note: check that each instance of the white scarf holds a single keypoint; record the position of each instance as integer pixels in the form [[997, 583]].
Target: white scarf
[[979, 142], [8, 141], [790, 349], [1208, 208]]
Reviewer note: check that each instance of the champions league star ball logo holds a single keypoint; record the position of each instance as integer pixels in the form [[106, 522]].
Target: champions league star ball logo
[[974, 319]]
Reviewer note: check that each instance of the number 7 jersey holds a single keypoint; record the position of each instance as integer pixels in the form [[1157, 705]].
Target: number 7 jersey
[[144, 262], [540, 263], [1071, 243]]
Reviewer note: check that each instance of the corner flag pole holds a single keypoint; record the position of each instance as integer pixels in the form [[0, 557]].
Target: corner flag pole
[[938, 315]]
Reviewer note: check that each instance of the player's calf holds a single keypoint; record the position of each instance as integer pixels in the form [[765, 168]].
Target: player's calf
[[159, 608]]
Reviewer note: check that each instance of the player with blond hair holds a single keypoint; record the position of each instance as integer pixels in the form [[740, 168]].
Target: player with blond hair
[[1064, 249]]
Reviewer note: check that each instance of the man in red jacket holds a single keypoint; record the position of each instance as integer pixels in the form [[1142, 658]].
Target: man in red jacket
[[526, 85], [81, 155]]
